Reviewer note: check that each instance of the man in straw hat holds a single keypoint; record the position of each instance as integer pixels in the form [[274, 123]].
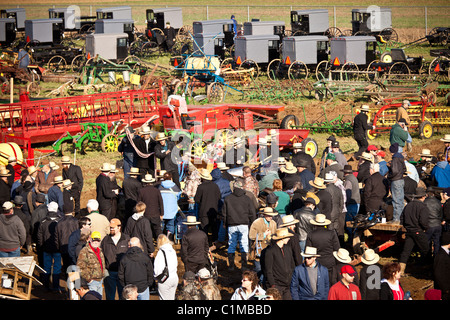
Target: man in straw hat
[[446, 141], [13, 169], [131, 187], [105, 192], [370, 263], [154, 210], [194, 246], [278, 264], [238, 213], [164, 150], [345, 289], [425, 164], [208, 197], [127, 150], [305, 174], [337, 214], [260, 234], [145, 148], [310, 279], [414, 219], [342, 257], [289, 222], [73, 173], [360, 127], [363, 170], [325, 240], [5, 188], [44, 178], [319, 189], [55, 193], [290, 177]]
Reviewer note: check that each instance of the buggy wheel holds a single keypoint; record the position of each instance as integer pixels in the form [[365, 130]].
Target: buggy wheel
[[84, 29], [227, 63], [183, 33], [250, 64], [311, 147], [389, 35], [332, 32], [300, 33], [289, 122], [437, 71], [297, 70], [57, 64], [349, 71], [273, 70], [322, 70], [399, 68], [370, 69], [33, 89], [426, 130], [135, 47], [215, 92], [347, 32], [78, 63], [110, 143], [149, 49]]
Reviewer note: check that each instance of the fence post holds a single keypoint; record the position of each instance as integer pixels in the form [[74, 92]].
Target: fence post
[[426, 20], [334, 15], [207, 12], [248, 13]]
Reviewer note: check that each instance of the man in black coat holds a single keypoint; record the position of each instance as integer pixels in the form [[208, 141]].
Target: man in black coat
[[136, 268], [146, 146], [435, 219], [277, 263], [414, 219], [127, 150], [164, 150], [154, 211], [207, 197], [105, 193], [131, 187], [360, 127], [325, 204], [300, 156], [194, 246], [5, 188], [73, 173], [238, 213], [325, 240], [441, 266], [374, 191], [337, 214]]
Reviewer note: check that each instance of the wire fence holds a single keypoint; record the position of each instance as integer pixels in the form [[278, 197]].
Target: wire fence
[[410, 22]]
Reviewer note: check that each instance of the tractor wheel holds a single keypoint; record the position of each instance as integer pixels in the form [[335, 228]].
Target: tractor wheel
[[426, 130], [297, 70], [311, 147], [386, 57], [289, 122], [110, 143], [215, 93], [224, 137], [198, 148]]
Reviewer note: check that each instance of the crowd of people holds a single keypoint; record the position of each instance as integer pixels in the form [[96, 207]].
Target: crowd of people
[[285, 223]]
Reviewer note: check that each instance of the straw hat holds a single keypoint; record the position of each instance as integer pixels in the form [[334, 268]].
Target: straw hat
[[148, 178], [222, 166], [370, 257], [317, 183], [365, 108], [134, 171], [113, 169], [328, 177], [67, 183], [4, 173], [310, 252], [146, 130], [204, 174], [342, 255], [311, 195], [65, 159], [288, 220], [320, 220], [267, 211], [31, 169], [106, 167], [159, 136], [58, 179], [426, 153], [366, 156], [282, 233], [446, 138], [53, 166], [289, 168], [191, 220]]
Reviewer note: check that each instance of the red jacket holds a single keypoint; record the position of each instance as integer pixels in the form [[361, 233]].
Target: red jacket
[[340, 291]]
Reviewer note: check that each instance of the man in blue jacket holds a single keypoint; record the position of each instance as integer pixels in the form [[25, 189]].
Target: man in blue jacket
[[310, 280]]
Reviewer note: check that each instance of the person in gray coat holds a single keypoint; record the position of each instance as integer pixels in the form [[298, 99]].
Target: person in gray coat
[[12, 232]]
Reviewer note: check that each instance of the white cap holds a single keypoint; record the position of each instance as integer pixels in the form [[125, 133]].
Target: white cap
[[52, 206], [7, 205], [93, 204], [204, 273]]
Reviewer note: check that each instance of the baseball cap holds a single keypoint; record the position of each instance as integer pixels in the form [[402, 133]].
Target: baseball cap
[[331, 156], [381, 153], [189, 275], [7, 205], [372, 148], [348, 269], [204, 273], [52, 206], [96, 235]]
